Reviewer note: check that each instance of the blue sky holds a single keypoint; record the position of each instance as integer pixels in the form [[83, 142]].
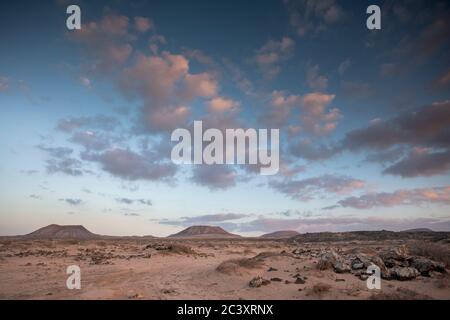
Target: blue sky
[[86, 115]]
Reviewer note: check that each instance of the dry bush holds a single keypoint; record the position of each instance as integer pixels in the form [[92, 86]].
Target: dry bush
[[431, 250], [324, 265], [319, 289], [234, 266], [180, 249]]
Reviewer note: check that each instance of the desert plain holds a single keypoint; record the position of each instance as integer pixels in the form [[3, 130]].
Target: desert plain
[[213, 266]]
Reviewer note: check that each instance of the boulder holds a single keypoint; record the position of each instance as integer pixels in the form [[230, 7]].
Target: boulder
[[404, 273], [396, 256], [328, 260], [341, 267], [425, 265]]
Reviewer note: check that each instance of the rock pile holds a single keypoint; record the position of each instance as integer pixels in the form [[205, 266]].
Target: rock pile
[[394, 263]]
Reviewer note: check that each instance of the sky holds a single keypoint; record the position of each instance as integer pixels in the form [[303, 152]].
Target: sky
[[87, 115]]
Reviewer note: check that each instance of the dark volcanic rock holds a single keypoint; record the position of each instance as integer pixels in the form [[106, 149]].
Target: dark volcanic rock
[[404, 273], [425, 266]]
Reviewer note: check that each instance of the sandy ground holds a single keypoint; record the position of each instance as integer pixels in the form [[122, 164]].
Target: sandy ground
[[128, 269]]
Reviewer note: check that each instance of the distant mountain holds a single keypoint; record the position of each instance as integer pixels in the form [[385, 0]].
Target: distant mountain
[[203, 232], [280, 234], [418, 230], [55, 231], [423, 234]]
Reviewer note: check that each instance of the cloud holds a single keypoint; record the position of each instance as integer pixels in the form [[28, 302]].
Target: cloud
[[442, 81], [221, 104], [166, 87], [103, 122], [313, 16], [412, 197], [356, 89], [421, 162], [61, 162], [315, 81], [339, 224], [91, 140], [132, 201], [315, 117], [142, 24], [72, 202], [215, 176], [130, 165], [215, 219], [86, 82], [107, 42], [35, 196], [344, 66], [280, 107], [307, 189], [271, 54], [309, 150], [132, 214], [424, 131], [4, 84]]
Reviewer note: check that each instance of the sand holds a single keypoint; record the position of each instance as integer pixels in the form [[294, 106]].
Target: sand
[[134, 269]]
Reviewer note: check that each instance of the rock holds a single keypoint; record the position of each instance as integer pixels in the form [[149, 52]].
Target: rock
[[276, 279], [299, 281], [385, 273], [404, 273], [341, 267], [328, 260], [257, 282], [363, 276], [272, 269], [339, 280], [425, 266], [393, 257], [357, 265], [287, 282]]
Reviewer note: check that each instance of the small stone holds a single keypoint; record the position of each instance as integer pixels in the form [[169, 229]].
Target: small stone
[[276, 279], [258, 282], [300, 281], [363, 276], [272, 269]]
